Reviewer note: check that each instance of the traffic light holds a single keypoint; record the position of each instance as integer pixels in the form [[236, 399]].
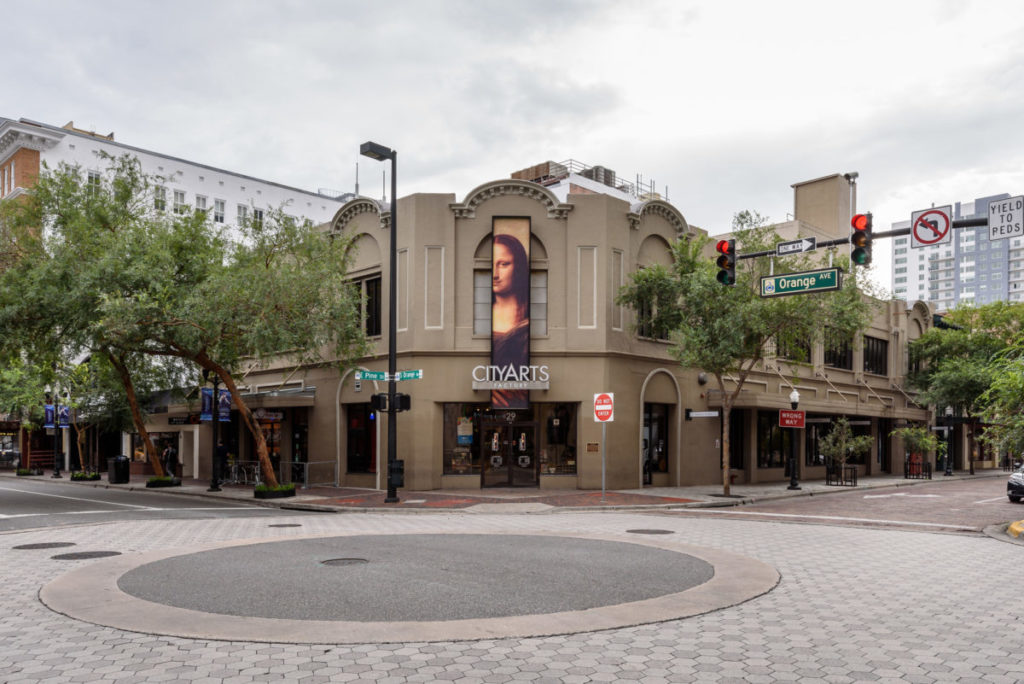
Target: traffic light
[[860, 239], [379, 402], [403, 402], [726, 261]]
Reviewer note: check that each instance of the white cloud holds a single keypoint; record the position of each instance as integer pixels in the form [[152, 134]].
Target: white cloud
[[726, 103]]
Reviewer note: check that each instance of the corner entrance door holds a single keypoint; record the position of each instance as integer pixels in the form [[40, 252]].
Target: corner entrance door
[[510, 456]]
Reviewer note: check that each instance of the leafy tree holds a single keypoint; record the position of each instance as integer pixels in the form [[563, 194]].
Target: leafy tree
[[1003, 401], [132, 283], [726, 330], [840, 444]]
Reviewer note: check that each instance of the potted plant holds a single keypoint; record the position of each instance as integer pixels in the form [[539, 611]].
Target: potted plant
[[165, 481], [918, 441], [838, 446], [262, 491]]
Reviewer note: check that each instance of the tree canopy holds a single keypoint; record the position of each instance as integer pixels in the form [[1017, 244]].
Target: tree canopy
[[726, 330]]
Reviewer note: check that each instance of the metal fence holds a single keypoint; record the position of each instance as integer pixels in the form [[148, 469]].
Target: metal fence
[[309, 473]]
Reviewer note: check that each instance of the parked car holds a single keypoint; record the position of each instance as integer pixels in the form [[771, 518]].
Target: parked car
[[10, 458], [1015, 485]]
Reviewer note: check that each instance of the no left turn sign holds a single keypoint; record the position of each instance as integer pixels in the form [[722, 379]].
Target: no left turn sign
[[604, 407], [930, 227]]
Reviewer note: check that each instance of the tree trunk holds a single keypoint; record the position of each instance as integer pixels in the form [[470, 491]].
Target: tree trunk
[[133, 403], [266, 467]]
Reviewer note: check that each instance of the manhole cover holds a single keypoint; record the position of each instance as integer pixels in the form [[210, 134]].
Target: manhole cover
[[85, 555], [45, 545], [286, 525], [344, 561], [649, 531]]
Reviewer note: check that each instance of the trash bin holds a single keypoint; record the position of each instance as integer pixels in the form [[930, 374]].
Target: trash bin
[[117, 470]]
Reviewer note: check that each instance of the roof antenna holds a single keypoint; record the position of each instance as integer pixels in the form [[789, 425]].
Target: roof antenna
[[357, 179]]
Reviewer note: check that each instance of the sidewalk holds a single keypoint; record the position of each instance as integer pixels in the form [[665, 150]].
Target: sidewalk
[[348, 499]]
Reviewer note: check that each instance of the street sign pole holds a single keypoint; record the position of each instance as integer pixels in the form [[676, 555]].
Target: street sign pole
[[604, 413]]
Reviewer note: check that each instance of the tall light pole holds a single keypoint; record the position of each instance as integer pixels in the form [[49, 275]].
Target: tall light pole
[[380, 153], [56, 431], [794, 402]]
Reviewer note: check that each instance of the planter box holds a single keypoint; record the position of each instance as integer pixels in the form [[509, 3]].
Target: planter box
[[273, 494], [92, 477], [173, 482]]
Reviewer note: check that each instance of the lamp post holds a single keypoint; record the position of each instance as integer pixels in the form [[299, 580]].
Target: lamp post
[[52, 394], [794, 401], [380, 153], [217, 466]]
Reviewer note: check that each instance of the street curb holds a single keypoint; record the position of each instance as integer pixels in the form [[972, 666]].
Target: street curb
[[1001, 533]]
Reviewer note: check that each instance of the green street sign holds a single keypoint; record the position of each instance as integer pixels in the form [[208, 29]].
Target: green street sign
[[410, 375], [372, 375], [800, 283]]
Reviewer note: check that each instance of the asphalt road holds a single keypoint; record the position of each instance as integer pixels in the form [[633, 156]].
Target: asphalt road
[[958, 507], [26, 503]]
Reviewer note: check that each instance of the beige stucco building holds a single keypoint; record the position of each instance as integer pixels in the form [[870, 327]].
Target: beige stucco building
[[586, 237]]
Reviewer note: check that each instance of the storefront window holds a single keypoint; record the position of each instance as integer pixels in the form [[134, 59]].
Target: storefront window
[[655, 438], [362, 438], [819, 426], [159, 440], [773, 442], [466, 425]]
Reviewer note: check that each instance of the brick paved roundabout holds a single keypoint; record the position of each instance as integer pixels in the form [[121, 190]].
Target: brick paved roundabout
[[851, 605]]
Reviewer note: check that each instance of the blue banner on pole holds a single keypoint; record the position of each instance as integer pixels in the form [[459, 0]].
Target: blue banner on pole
[[206, 403], [64, 416], [224, 406], [49, 411]]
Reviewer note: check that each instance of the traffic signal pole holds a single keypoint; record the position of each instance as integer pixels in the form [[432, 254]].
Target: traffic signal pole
[[960, 223]]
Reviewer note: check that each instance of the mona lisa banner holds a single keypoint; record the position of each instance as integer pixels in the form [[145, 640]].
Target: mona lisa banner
[[510, 313]]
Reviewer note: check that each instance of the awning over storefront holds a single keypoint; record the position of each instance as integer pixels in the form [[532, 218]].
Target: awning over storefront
[[282, 398]]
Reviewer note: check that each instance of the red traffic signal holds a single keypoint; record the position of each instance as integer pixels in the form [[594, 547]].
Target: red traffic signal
[[726, 261], [860, 239]]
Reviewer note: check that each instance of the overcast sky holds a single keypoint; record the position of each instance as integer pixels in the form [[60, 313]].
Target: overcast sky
[[725, 103]]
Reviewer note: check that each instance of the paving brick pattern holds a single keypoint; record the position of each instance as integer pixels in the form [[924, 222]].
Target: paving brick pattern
[[854, 605]]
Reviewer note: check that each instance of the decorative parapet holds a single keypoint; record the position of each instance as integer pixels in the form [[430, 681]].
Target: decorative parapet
[[657, 207], [353, 208], [538, 193], [16, 135]]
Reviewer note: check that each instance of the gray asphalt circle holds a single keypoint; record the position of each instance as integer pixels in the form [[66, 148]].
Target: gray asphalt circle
[[415, 577], [431, 586]]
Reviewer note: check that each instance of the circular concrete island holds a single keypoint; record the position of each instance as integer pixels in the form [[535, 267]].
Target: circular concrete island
[[406, 587]]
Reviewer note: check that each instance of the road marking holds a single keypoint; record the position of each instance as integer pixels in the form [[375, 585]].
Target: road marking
[[828, 517], [998, 498], [75, 498], [917, 496], [219, 508]]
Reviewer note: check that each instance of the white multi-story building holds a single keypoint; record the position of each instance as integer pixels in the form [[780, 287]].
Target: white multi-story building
[[968, 269], [229, 197]]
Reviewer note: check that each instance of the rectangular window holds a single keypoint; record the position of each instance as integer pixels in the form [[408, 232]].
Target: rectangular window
[[362, 438], [94, 181], [201, 203], [655, 438], [538, 303], [369, 291], [160, 198], [876, 356], [838, 350], [257, 216], [218, 211], [773, 442], [482, 302], [243, 214], [179, 202]]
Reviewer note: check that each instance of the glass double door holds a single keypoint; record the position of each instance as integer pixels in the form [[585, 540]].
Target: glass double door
[[510, 455]]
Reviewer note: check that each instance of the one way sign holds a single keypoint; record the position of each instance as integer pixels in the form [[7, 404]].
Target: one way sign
[[796, 246]]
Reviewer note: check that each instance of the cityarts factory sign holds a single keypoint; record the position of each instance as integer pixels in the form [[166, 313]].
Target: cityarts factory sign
[[511, 377]]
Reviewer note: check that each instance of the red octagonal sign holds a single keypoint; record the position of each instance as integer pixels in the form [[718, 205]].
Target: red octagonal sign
[[604, 407]]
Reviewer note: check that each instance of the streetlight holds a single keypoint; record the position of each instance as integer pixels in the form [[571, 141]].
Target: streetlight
[[215, 460], [51, 393], [794, 401], [380, 153]]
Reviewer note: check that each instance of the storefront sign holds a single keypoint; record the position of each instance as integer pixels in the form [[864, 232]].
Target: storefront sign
[[511, 378]]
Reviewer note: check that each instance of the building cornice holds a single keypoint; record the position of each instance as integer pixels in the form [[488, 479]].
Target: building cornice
[[467, 208], [15, 135], [660, 208], [356, 207]]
